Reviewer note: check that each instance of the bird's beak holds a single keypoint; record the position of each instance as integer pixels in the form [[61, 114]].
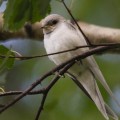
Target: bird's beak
[[42, 27]]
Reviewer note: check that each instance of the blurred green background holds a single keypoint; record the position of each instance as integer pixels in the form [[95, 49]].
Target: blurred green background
[[65, 101]]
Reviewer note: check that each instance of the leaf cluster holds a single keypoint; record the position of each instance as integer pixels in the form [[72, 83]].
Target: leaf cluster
[[16, 14], [20, 11]]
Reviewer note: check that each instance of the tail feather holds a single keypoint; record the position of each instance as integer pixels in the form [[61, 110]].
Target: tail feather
[[88, 82], [98, 75], [110, 112], [90, 88]]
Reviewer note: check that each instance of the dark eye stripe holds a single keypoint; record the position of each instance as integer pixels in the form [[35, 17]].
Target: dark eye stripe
[[52, 22]]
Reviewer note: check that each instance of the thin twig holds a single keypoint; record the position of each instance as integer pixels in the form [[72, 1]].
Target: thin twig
[[26, 91], [35, 92], [46, 90], [57, 68], [60, 52], [55, 79], [86, 38], [2, 105], [45, 95], [41, 106]]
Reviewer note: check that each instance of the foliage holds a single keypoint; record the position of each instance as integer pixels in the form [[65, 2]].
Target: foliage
[[6, 63], [20, 11]]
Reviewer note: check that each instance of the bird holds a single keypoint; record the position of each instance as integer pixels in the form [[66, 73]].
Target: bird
[[59, 35]]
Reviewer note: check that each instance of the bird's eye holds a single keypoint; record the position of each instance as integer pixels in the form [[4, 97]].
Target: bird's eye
[[54, 22]]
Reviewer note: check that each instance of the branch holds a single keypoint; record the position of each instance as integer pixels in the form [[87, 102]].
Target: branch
[[33, 31], [57, 68], [55, 79], [60, 52], [19, 92], [99, 34], [78, 26]]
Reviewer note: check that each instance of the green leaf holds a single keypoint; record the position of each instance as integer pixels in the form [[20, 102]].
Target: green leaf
[[39, 9], [5, 62], [16, 14], [20, 11]]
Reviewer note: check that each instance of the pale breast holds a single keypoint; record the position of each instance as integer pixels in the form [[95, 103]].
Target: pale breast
[[62, 39]]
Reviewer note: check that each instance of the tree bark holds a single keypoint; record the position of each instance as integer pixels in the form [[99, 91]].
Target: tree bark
[[96, 34]]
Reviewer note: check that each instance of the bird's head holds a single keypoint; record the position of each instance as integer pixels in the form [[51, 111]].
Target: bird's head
[[50, 23]]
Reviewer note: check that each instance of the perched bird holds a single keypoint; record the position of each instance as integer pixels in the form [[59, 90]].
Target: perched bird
[[59, 35]]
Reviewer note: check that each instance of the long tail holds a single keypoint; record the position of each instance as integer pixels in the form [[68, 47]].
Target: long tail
[[98, 75], [110, 112], [89, 86]]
